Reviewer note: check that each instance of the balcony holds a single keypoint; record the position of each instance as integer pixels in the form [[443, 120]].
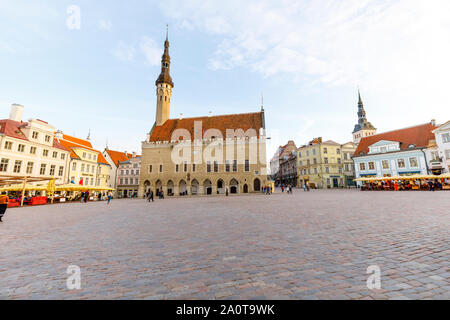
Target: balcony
[[436, 163]]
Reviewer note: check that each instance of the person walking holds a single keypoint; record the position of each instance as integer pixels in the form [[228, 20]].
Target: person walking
[[86, 196], [3, 204], [151, 196], [109, 197], [82, 197]]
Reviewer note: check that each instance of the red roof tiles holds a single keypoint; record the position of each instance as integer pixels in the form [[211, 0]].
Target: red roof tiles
[[242, 121], [418, 135], [70, 143], [117, 156], [13, 129]]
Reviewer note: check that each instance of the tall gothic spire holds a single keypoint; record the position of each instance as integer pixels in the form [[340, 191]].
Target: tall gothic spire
[[362, 120], [164, 76]]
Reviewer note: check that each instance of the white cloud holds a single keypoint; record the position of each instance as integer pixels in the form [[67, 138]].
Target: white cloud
[[402, 44], [105, 25], [151, 51], [124, 52]]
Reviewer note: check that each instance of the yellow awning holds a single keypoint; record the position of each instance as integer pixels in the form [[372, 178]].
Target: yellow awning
[[19, 187], [75, 187], [411, 177]]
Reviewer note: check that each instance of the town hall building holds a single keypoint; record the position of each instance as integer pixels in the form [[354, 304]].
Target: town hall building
[[201, 155]]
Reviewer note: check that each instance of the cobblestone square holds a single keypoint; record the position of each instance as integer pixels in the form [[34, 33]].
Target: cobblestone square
[[309, 245]]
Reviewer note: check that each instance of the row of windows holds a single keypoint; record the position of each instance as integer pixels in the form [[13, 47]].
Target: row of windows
[[325, 151], [366, 134], [19, 167], [325, 160], [210, 167], [89, 156], [401, 163], [35, 135], [84, 167], [33, 150], [86, 181], [327, 170], [127, 181], [128, 172]]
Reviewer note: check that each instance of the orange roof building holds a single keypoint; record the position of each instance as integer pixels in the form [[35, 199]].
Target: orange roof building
[[398, 152], [114, 158], [88, 166]]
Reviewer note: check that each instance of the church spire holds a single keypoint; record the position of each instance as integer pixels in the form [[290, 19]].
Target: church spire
[[164, 85], [164, 76], [363, 126]]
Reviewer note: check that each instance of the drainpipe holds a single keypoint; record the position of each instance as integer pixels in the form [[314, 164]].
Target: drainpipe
[[426, 162]]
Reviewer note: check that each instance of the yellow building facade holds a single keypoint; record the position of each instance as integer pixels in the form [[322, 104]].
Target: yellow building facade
[[320, 165], [87, 166]]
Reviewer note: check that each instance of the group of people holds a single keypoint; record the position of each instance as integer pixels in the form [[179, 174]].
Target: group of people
[[288, 188], [399, 185], [101, 196], [267, 190], [150, 195]]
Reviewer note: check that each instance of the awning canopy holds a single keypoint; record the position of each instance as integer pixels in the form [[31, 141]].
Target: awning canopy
[[411, 177]]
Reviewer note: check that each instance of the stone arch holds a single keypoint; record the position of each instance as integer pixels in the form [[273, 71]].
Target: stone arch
[[220, 186], [194, 187], [170, 188], [183, 187], [207, 185], [234, 186], [256, 185], [158, 187], [147, 186]]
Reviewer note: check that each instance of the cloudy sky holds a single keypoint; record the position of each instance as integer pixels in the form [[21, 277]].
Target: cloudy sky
[[307, 57]]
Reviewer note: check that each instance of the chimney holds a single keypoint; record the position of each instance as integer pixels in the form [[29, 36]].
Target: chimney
[[59, 134], [181, 116], [134, 154], [16, 112], [433, 122], [210, 114]]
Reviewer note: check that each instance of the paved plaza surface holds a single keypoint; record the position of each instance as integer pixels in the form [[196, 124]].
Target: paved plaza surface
[[309, 245]]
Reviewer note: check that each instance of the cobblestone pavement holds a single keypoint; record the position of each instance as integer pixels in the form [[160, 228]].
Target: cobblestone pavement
[[314, 245]]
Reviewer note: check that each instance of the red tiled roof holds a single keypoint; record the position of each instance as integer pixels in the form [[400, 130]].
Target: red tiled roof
[[82, 142], [418, 135], [71, 143], [242, 121], [13, 129], [117, 156]]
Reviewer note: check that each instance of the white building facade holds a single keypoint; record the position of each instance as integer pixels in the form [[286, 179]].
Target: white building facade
[[31, 149], [442, 134]]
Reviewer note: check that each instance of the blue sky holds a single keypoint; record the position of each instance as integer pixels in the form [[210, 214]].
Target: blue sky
[[307, 58]]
